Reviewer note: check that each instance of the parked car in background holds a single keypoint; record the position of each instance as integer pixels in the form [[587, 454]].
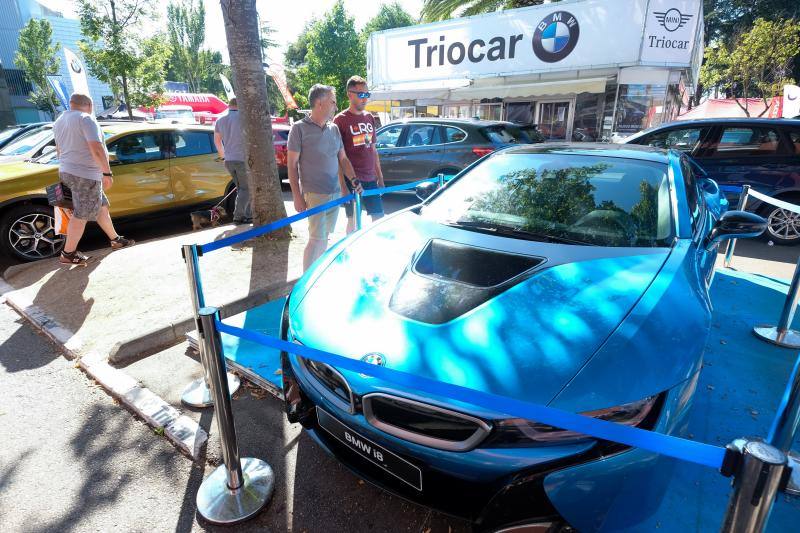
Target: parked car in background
[[33, 143], [419, 148], [11, 133], [548, 274], [174, 114], [156, 167], [762, 153], [280, 136]]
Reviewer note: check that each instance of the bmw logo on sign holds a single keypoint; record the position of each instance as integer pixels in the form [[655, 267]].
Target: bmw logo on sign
[[556, 36], [76, 66]]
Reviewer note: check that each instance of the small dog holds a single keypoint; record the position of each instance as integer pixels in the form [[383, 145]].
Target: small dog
[[208, 218]]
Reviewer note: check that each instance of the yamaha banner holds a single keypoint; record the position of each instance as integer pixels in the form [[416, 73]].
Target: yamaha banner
[[577, 35]]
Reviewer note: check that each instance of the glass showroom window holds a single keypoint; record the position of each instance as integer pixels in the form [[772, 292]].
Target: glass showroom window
[[639, 107], [456, 111], [402, 112], [588, 117], [492, 111]]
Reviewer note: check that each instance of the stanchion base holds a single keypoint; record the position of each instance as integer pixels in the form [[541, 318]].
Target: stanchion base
[[220, 505], [787, 339], [197, 393], [793, 486]]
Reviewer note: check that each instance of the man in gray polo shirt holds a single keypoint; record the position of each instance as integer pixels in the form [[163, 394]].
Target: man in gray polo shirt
[[230, 146], [315, 152]]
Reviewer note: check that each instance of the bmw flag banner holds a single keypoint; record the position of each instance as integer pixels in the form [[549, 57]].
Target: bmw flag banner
[[226, 84], [791, 101], [61, 91], [77, 72]]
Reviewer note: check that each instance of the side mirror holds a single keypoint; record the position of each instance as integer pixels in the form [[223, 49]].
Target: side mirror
[[735, 225], [425, 190]]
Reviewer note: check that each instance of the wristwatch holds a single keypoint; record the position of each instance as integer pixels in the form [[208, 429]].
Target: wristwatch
[[109, 174]]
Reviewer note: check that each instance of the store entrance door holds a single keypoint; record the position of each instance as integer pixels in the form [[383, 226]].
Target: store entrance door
[[555, 119]]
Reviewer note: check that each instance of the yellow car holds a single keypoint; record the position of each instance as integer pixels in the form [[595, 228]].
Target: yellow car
[[156, 167]]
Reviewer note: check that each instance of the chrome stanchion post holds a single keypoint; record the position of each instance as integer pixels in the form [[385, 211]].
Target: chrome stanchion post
[[784, 428], [782, 334], [197, 393], [441, 179], [358, 210], [732, 243], [239, 488], [756, 481]]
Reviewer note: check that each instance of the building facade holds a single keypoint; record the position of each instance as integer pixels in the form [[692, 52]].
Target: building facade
[[583, 70], [66, 31]]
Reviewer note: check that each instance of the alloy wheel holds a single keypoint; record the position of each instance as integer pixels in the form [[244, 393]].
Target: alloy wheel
[[33, 236]]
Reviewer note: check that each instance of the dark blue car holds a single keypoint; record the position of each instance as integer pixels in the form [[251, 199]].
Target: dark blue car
[[763, 153]]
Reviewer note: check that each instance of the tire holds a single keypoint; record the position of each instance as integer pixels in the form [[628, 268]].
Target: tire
[[783, 227], [27, 233]]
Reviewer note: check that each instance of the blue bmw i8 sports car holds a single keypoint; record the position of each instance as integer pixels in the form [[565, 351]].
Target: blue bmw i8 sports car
[[574, 276]]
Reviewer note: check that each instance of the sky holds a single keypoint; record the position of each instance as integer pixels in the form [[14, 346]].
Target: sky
[[287, 17]]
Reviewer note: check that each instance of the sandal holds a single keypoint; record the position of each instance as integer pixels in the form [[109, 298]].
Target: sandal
[[121, 242], [73, 258]]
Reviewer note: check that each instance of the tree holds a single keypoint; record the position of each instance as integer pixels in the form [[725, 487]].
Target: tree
[[117, 54], [433, 10], [757, 65], [389, 16], [335, 53], [186, 28], [244, 48], [37, 58]]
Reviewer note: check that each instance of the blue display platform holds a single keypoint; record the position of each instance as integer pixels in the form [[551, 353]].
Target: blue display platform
[[740, 387]]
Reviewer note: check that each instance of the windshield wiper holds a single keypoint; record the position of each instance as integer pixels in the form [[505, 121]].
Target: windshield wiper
[[508, 231]]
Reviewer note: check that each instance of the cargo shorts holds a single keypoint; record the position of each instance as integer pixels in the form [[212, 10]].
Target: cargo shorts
[[87, 195], [321, 225]]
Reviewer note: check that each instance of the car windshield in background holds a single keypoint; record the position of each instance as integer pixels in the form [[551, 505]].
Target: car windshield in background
[[27, 142], [7, 134], [577, 199], [502, 134]]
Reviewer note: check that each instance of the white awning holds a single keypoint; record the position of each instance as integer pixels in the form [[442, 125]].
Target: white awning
[[436, 89], [521, 90]]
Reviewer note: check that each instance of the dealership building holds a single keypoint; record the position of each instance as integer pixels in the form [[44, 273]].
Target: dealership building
[[582, 70]]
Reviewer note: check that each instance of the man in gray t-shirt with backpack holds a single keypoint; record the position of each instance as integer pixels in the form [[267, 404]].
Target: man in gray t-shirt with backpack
[[83, 167]]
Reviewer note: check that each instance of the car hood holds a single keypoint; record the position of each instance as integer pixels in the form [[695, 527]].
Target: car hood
[[524, 338], [20, 169]]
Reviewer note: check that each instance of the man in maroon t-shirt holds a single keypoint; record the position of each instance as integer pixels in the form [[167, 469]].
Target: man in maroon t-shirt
[[358, 135]]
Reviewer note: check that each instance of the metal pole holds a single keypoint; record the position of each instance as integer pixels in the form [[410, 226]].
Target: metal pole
[[441, 179], [238, 489], [358, 211], [782, 334], [784, 428], [756, 482], [197, 393], [732, 243]]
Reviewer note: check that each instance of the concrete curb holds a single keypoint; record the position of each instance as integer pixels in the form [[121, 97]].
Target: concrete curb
[[131, 350], [182, 431]]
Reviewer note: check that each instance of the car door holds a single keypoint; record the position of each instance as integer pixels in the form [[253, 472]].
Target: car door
[[458, 148], [420, 153], [141, 173], [742, 153], [387, 141], [197, 176]]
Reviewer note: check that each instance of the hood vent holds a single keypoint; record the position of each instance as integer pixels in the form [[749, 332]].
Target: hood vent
[[448, 279]]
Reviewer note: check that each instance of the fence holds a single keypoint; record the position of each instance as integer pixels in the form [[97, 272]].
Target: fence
[[760, 469]]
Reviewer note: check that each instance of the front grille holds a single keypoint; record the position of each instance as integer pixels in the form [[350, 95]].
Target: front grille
[[424, 424], [330, 383]]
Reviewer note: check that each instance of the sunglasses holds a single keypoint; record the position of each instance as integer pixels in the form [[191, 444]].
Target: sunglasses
[[360, 94]]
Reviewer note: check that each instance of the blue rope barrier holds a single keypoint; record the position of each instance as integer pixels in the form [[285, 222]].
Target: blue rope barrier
[[687, 450], [401, 187], [261, 230]]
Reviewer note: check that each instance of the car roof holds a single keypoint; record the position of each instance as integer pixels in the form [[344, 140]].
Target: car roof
[[720, 121], [119, 127], [452, 121], [626, 151]]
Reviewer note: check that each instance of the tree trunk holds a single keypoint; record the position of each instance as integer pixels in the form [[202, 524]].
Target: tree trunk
[[244, 48], [125, 96], [115, 37]]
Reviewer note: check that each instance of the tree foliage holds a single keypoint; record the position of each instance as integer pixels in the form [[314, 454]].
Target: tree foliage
[[434, 10], [117, 53], [389, 16], [37, 57], [186, 28], [757, 65]]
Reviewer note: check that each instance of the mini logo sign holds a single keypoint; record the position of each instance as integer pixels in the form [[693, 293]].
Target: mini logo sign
[[556, 36], [375, 358], [672, 19], [75, 66]]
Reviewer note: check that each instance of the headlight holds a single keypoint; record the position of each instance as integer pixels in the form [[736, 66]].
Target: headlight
[[518, 432]]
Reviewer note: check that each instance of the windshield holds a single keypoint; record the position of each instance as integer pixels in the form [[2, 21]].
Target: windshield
[[28, 141], [7, 134], [584, 199], [506, 134]]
